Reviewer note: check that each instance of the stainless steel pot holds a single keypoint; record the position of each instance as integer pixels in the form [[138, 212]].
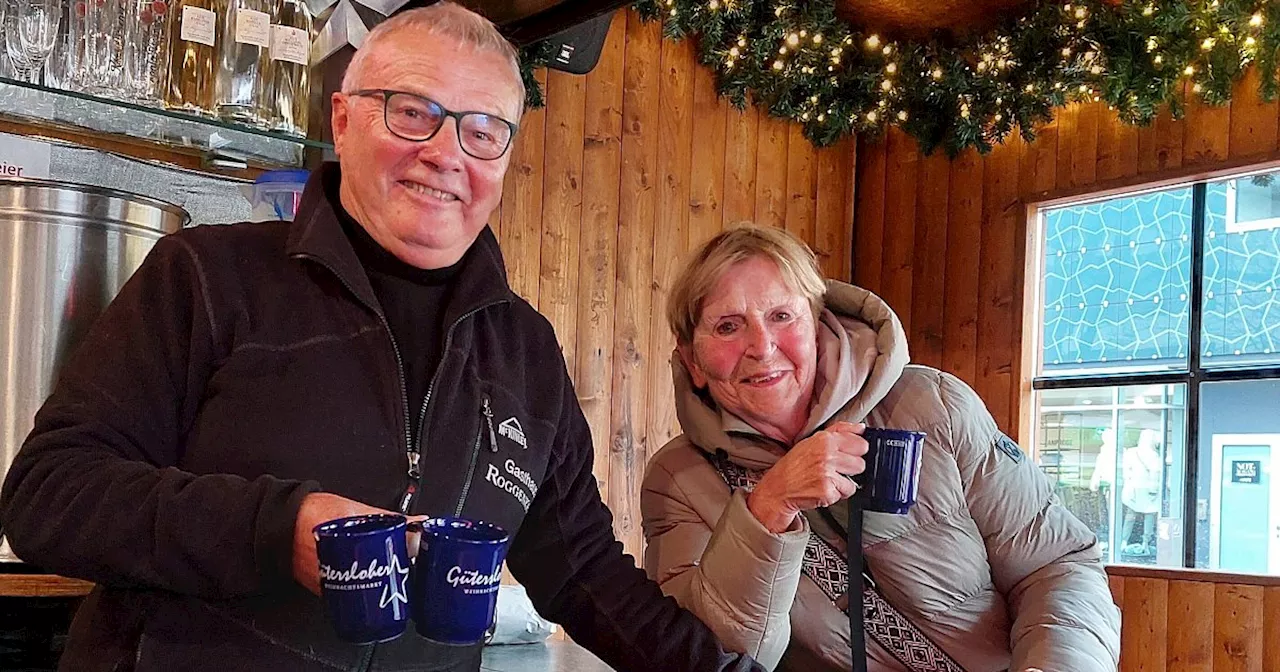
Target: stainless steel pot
[[65, 251]]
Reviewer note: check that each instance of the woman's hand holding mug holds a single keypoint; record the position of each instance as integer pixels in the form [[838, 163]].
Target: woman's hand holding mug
[[816, 472]]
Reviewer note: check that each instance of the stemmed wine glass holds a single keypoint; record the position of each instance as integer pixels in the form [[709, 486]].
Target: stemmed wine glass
[[38, 31], [21, 68]]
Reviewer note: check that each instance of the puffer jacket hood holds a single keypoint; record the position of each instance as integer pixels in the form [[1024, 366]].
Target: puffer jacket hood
[[862, 350]]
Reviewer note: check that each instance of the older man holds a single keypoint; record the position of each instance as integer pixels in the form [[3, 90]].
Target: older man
[[251, 381]]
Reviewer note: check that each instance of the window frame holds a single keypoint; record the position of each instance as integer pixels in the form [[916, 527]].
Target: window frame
[[1193, 375]]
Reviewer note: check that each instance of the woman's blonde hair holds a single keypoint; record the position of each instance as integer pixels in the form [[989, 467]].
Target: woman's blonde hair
[[709, 263]]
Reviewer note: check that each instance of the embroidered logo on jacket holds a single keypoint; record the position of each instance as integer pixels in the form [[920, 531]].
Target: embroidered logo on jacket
[[511, 429]]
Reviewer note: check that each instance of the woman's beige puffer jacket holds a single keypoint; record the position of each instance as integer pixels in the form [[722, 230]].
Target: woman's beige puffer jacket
[[987, 564]]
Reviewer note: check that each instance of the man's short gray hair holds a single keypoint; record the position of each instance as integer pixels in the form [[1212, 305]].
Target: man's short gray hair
[[443, 19]]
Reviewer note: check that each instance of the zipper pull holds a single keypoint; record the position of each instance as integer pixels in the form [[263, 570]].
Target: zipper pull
[[407, 498], [488, 418], [414, 471]]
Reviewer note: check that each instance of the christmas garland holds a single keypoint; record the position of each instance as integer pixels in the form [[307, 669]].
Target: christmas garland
[[802, 62]]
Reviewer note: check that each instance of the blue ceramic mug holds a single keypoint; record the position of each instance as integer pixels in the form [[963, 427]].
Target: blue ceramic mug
[[364, 569], [456, 578], [891, 481]]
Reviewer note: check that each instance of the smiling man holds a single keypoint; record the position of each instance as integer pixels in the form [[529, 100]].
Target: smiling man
[[253, 380]]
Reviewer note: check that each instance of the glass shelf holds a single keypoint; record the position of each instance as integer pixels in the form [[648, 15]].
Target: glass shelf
[[222, 143]]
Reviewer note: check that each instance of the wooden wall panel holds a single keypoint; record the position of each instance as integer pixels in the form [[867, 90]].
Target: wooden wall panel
[[610, 186], [1083, 151], [641, 108], [597, 287]]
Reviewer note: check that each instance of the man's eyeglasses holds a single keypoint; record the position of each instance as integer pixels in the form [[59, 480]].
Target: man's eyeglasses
[[418, 119]]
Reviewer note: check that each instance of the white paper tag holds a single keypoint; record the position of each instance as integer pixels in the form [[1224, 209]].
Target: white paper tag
[[23, 157], [290, 44], [199, 25], [253, 27]]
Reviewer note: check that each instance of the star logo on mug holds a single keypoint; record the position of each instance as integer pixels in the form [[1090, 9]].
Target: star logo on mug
[[394, 592]]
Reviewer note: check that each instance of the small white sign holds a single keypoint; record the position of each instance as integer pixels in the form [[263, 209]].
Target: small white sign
[[199, 25], [253, 28], [20, 157], [290, 44]]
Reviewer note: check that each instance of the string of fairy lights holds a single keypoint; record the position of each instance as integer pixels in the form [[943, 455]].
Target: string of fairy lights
[[800, 61]]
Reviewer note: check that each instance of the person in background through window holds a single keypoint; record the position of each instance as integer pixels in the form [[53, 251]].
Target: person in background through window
[[1104, 475], [1140, 493]]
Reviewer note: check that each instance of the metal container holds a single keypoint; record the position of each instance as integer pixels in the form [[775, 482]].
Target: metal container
[[65, 251]]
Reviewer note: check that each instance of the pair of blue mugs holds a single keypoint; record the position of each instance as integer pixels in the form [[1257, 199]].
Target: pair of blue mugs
[[371, 588]]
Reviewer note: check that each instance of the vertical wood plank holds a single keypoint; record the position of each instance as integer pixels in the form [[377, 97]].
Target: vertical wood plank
[[1271, 628], [1040, 162], [522, 204], [771, 172], [562, 207], [1207, 132], [597, 259], [1144, 625], [1237, 628], [869, 218], [964, 247], [1068, 121], [1253, 122], [1190, 629], [638, 209], [706, 184], [802, 175], [1084, 157], [900, 228], [1117, 147], [1116, 584], [849, 168], [1160, 144], [929, 266], [742, 142], [675, 132], [835, 196], [995, 282]]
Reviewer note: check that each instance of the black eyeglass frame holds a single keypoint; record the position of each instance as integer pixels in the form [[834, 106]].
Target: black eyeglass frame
[[457, 119]]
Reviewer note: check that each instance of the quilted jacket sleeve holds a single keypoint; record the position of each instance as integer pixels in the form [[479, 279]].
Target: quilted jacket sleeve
[[738, 577], [1044, 561]]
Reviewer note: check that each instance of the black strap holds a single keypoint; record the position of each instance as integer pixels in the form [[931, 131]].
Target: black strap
[[857, 634]]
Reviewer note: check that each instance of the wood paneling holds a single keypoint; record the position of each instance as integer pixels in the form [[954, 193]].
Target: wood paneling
[[609, 187], [1189, 621], [1085, 150]]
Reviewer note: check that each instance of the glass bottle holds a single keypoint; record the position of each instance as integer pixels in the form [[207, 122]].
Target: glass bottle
[[243, 60], [146, 43], [193, 28], [289, 82]]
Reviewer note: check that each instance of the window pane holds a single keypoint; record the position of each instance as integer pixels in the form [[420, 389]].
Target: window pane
[[1116, 279], [1116, 458], [1242, 272], [1238, 492]]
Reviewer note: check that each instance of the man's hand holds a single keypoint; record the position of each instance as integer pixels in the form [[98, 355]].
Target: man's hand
[[813, 474], [319, 507]]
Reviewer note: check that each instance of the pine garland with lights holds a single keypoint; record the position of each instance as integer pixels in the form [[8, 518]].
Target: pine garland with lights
[[804, 63]]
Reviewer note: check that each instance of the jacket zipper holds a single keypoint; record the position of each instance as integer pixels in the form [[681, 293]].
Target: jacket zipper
[[416, 448], [413, 471], [487, 411]]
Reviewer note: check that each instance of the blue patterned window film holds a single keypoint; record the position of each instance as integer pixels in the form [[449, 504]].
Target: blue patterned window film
[[1242, 272], [1116, 280]]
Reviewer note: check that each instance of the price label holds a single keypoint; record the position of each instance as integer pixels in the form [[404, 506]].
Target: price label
[[290, 44], [253, 28], [199, 25]]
